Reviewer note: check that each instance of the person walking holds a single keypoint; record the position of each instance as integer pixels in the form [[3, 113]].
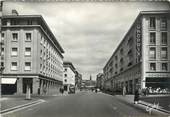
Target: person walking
[[124, 91], [136, 97]]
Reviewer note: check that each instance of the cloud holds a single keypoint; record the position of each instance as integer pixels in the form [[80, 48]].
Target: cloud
[[88, 32]]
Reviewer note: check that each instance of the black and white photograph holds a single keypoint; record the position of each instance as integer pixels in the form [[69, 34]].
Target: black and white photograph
[[84, 58]]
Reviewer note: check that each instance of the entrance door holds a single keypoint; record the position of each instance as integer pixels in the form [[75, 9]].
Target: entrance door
[[29, 82]]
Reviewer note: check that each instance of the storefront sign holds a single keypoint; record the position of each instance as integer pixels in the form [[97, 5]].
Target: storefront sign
[[138, 41]]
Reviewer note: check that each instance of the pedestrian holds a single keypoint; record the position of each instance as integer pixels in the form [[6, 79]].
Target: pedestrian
[[136, 97], [96, 90], [62, 90], [124, 91], [147, 91]]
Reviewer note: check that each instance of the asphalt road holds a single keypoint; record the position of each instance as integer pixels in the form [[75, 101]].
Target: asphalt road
[[82, 104]]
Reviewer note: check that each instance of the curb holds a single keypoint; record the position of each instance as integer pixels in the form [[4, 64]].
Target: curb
[[151, 106], [6, 111], [146, 105]]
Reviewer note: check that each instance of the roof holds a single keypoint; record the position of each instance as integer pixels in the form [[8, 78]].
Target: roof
[[43, 21], [69, 64]]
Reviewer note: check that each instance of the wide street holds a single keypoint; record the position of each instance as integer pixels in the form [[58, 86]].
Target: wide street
[[82, 104]]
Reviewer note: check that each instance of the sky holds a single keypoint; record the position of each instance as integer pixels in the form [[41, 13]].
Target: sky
[[88, 32]]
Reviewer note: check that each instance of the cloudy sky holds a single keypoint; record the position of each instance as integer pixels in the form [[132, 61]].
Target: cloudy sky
[[88, 32]]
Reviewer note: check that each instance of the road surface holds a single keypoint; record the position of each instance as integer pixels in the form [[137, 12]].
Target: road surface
[[82, 104]]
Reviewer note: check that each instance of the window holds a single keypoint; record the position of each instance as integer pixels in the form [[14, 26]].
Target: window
[[14, 22], [152, 22], [164, 66], [41, 67], [130, 41], [14, 66], [152, 53], [121, 51], [2, 51], [130, 63], [153, 66], [121, 69], [15, 37], [65, 80], [65, 75], [2, 36], [14, 52], [164, 53], [152, 38], [115, 57], [29, 22], [28, 36], [2, 64], [27, 65], [65, 69], [164, 37], [163, 23], [27, 51], [121, 61], [42, 39], [115, 65]]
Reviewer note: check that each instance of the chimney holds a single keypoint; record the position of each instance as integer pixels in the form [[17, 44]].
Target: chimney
[[14, 12]]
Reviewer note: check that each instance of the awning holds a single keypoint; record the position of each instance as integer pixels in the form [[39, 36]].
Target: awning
[[8, 80]]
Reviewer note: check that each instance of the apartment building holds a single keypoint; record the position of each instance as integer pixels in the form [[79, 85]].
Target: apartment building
[[69, 75], [78, 79], [142, 58], [31, 56]]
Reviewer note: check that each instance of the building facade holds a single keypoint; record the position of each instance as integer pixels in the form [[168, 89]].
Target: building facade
[[78, 79], [31, 56], [69, 75], [142, 58]]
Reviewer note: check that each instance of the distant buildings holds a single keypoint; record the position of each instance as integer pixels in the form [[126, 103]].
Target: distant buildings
[[88, 84], [142, 59], [31, 56], [100, 81], [69, 75]]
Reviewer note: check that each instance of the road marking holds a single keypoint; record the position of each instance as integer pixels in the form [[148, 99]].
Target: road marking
[[21, 107]]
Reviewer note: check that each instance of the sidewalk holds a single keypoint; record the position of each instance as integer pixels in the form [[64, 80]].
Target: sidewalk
[[13, 101], [148, 106]]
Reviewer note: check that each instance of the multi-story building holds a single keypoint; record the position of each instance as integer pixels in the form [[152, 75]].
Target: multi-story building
[[69, 75], [142, 59], [78, 79], [31, 55], [99, 81]]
